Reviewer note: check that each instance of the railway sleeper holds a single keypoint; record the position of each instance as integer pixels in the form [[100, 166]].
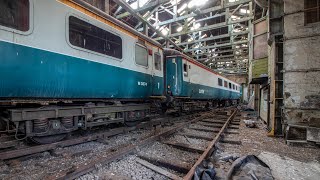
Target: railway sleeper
[[183, 167], [184, 147]]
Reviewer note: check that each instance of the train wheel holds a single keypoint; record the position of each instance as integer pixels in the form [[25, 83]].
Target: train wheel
[[47, 139]]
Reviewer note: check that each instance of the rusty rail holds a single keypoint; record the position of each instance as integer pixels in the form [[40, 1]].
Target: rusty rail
[[210, 148]]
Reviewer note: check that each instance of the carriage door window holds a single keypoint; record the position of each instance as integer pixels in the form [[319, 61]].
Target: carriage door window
[[230, 86], [219, 82], [185, 69], [225, 84], [157, 61], [141, 55], [15, 14]]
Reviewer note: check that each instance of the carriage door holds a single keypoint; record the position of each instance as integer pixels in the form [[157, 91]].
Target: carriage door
[[156, 75], [186, 88]]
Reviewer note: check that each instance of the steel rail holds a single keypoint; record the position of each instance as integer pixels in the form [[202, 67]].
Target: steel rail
[[210, 148]]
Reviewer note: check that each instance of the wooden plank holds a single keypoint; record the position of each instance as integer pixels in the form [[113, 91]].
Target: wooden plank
[[181, 166], [210, 125], [184, 147], [231, 132], [230, 141], [205, 130], [213, 121], [233, 127], [158, 169], [194, 136]]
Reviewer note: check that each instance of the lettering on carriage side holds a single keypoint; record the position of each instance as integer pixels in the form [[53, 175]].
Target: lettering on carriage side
[[142, 83], [201, 91]]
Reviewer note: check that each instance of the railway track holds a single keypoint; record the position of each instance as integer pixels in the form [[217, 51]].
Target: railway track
[[215, 123], [77, 161]]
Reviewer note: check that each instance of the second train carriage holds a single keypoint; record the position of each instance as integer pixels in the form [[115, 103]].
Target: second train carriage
[[66, 66], [188, 80]]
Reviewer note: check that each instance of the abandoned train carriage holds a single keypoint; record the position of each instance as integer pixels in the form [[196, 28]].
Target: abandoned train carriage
[[186, 78], [74, 55], [61, 56], [52, 67]]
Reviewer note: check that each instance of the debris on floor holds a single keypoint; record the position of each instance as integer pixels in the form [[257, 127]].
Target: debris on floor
[[285, 168], [249, 167], [250, 123]]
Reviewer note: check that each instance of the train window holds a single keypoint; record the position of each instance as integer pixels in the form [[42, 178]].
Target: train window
[[230, 86], [237, 88], [15, 14], [141, 55], [185, 69], [90, 37], [225, 84], [233, 86], [219, 82], [157, 61]]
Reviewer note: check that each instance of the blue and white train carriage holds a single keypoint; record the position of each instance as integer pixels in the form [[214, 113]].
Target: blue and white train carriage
[[58, 49], [66, 65], [190, 80]]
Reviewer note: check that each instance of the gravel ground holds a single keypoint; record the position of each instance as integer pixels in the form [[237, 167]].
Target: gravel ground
[[126, 168], [165, 152], [64, 158]]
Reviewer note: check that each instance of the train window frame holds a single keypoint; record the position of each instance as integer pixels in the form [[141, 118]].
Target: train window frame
[[155, 65], [220, 80], [230, 85], [135, 55], [97, 24], [31, 22], [225, 84], [233, 87]]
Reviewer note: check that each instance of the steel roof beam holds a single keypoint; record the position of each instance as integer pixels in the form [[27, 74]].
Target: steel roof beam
[[205, 11], [218, 52], [218, 45], [145, 7], [213, 38], [207, 28], [127, 7]]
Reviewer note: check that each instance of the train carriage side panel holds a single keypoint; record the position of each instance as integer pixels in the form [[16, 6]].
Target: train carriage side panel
[[43, 63]]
